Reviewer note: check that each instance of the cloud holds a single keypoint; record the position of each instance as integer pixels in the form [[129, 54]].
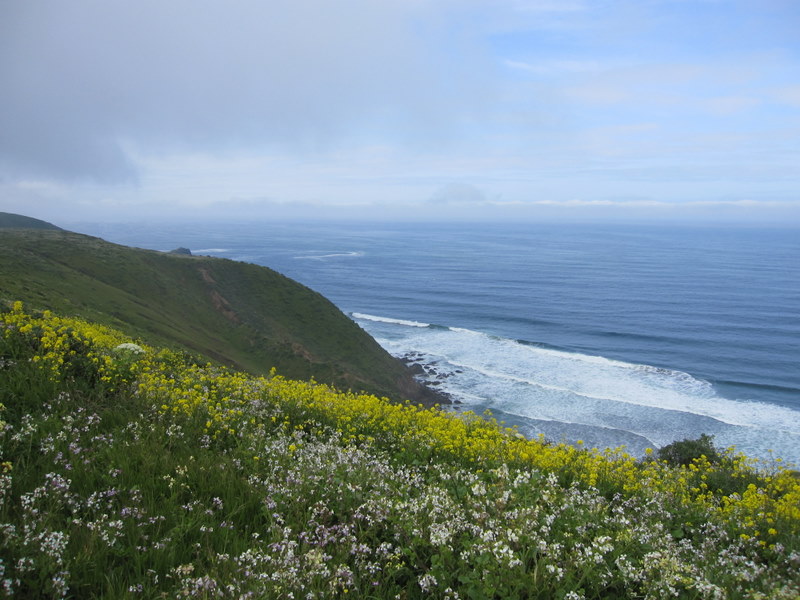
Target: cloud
[[789, 95], [730, 105], [557, 67], [549, 6], [308, 105], [86, 82], [458, 193]]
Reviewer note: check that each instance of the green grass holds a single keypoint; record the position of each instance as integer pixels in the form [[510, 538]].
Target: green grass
[[141, 474], [12, 221], [237, 314]]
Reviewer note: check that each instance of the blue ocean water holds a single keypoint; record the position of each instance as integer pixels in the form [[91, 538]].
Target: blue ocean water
[[609, 334]]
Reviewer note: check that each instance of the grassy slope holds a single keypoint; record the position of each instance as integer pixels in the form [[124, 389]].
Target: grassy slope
[[135, 474], [238, 314], [20, 221]]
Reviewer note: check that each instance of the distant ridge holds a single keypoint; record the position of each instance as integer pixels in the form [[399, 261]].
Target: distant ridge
[[237, 314], [12, 221]]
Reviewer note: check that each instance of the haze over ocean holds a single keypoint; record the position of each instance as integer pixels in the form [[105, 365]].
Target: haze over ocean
[[609, 334]]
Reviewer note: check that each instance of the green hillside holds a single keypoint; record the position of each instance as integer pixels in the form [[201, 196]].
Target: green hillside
[[129, 471], [10, 220], [237, 314]]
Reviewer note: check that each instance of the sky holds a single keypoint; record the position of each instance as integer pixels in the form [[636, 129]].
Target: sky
[[571, 110]]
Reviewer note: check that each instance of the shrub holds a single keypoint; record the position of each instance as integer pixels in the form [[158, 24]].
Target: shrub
[[687, 451]]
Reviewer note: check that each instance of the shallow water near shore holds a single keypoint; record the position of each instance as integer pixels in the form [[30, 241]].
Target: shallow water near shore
[[612, 335]]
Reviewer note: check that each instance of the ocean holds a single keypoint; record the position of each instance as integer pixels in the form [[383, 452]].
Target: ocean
[[604, 335]]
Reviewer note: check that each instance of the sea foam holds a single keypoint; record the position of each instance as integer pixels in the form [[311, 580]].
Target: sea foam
[[323, 254], [376, 319], [616, 400]]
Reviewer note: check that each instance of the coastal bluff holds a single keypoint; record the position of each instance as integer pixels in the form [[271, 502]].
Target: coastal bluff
[[237, 314]]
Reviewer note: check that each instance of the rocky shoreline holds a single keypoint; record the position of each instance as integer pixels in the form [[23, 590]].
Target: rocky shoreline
[[429, 376]]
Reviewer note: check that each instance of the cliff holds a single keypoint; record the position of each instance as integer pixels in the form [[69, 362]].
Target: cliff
[[237, 314]]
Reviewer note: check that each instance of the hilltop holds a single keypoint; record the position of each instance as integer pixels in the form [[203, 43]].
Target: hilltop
[[12, 221], [237, 314]]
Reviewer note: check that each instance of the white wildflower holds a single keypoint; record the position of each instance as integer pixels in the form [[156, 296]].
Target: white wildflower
[[427, 582], [129, 347]]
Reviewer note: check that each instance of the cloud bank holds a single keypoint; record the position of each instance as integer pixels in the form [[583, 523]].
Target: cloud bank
[[88, 83], [500, 108]]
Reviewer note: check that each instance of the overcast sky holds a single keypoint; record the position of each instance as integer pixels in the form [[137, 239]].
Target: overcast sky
[[402, 109]]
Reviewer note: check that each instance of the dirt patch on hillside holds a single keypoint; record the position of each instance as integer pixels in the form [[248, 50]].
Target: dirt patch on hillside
[[223, 306], [206, 276]]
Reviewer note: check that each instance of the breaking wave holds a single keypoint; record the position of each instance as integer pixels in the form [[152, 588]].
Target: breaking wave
[[569, 395]]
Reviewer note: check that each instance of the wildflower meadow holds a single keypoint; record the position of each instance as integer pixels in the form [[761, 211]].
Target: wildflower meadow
[[129, 471]]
